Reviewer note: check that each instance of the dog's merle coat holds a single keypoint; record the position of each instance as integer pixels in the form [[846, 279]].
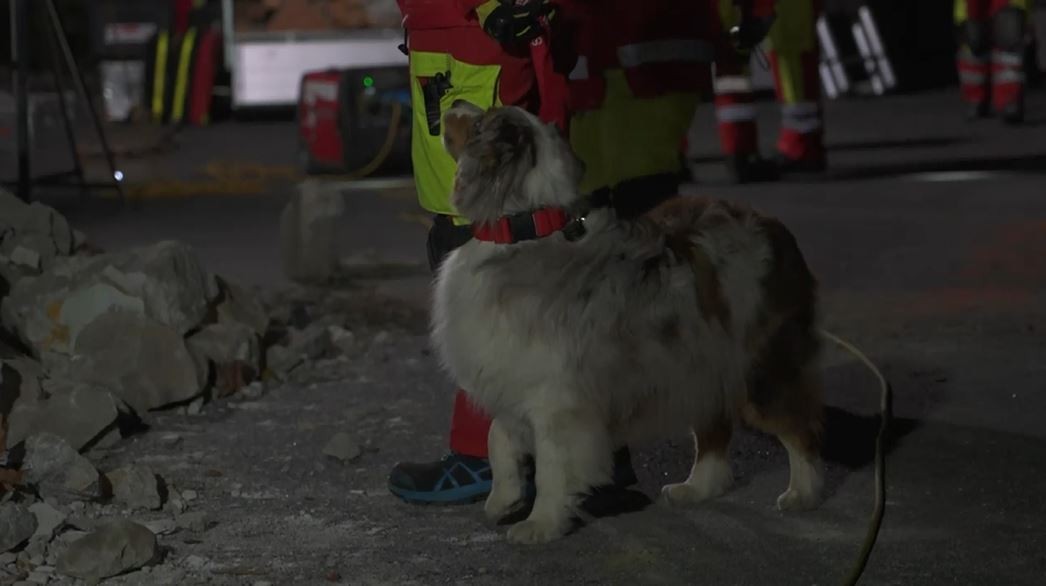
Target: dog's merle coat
[[696, 315]]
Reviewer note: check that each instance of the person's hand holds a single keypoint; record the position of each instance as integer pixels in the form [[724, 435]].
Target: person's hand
[[509, 23], [750, 32]]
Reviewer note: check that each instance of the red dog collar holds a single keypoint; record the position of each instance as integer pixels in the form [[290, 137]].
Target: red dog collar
[[524, 226]]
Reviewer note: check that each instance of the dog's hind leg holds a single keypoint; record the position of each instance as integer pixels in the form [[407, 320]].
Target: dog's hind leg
[[711, 475], [794, 415], [572, 454], [506, 453]]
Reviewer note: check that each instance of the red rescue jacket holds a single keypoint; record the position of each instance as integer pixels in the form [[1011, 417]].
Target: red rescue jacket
[[527, 78], [662, 46]]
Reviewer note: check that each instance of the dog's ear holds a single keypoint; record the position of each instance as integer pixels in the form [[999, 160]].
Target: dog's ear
[[459, 125]]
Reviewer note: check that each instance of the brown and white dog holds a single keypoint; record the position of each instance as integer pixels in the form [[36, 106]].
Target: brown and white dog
[[697, 315]]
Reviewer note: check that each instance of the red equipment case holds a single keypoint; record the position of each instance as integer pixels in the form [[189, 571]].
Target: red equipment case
[[350, 120]]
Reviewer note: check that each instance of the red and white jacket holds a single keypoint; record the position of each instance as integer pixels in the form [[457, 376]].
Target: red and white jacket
[[662, 46]]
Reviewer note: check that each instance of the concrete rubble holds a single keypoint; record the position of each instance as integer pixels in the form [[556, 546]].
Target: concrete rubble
[[17, 525], [342, 447], [78, 414], [228, 352], [48, 520], [144, 362], [112, 549], [57, 470], [109, 334], [136, 486], [93, 344], [309, 228]]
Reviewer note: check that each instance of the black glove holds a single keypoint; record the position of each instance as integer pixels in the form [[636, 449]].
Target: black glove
[[508, 23], [747, 35]]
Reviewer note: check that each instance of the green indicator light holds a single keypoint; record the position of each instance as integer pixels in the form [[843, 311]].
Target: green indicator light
[[368, 81]]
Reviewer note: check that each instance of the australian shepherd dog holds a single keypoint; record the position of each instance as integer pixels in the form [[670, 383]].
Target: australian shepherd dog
[[580, 332]]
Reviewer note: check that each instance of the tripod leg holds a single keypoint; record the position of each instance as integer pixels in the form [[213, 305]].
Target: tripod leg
[[70, 136], [20, 55], [81, 86]]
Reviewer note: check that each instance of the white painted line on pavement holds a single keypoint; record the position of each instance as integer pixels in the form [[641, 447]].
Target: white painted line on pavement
[[953, 176]]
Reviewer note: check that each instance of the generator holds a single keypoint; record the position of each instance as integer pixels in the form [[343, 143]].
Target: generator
[[355, 121]]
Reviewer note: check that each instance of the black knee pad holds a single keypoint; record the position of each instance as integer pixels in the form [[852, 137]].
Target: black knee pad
[[976, 34], [1008, 29]]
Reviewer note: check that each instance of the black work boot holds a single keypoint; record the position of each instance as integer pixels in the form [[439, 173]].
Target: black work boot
[[978, 110], [813, 164], [1013, 113]]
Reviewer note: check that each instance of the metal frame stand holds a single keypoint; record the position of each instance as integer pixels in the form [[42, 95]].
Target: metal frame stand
[[878, 71], [60, 51]]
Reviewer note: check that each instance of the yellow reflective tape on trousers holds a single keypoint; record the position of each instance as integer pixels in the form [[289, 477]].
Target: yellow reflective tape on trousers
[[181, 84], [160, 75]]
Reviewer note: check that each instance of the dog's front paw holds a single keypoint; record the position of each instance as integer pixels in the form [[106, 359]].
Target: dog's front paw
[[500, 503], [534, 531], [711, 478], [804, 488], [687, 494]]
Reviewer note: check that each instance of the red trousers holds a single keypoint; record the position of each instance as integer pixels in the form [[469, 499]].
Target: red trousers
[[990, 66], [793, 61]]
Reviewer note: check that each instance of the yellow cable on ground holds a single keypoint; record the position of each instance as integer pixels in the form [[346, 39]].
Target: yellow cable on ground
[[382, 154], [880, 459]]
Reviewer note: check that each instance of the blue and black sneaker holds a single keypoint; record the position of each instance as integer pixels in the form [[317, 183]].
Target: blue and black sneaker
[[454, 480]]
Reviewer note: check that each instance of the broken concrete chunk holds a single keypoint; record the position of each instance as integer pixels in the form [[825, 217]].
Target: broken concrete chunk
[[195, 407], [58, 470], [226, 343], [17, 525], [82, 306], [231, 350], [310, 226], [21, 392], [78, 414], [161, 526], [344, 340], [136, 486], [112, 549], [342, 447], [142, 361], [37, 228], [36, 552], [165, 281], [48, 520], [195, 521], [254, 391], [240, 306], [280, 360], [25, 257], [314, 342]]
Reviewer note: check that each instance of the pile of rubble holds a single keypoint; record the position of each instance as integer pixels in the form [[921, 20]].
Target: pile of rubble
[[91, 343]]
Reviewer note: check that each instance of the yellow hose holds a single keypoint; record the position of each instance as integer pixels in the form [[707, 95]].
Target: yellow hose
[[880, 459], [382, 154]]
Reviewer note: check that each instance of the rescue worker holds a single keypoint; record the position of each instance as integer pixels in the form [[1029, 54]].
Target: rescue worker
[[488, 53], [636, 71], [991, 55], [793, 56]]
